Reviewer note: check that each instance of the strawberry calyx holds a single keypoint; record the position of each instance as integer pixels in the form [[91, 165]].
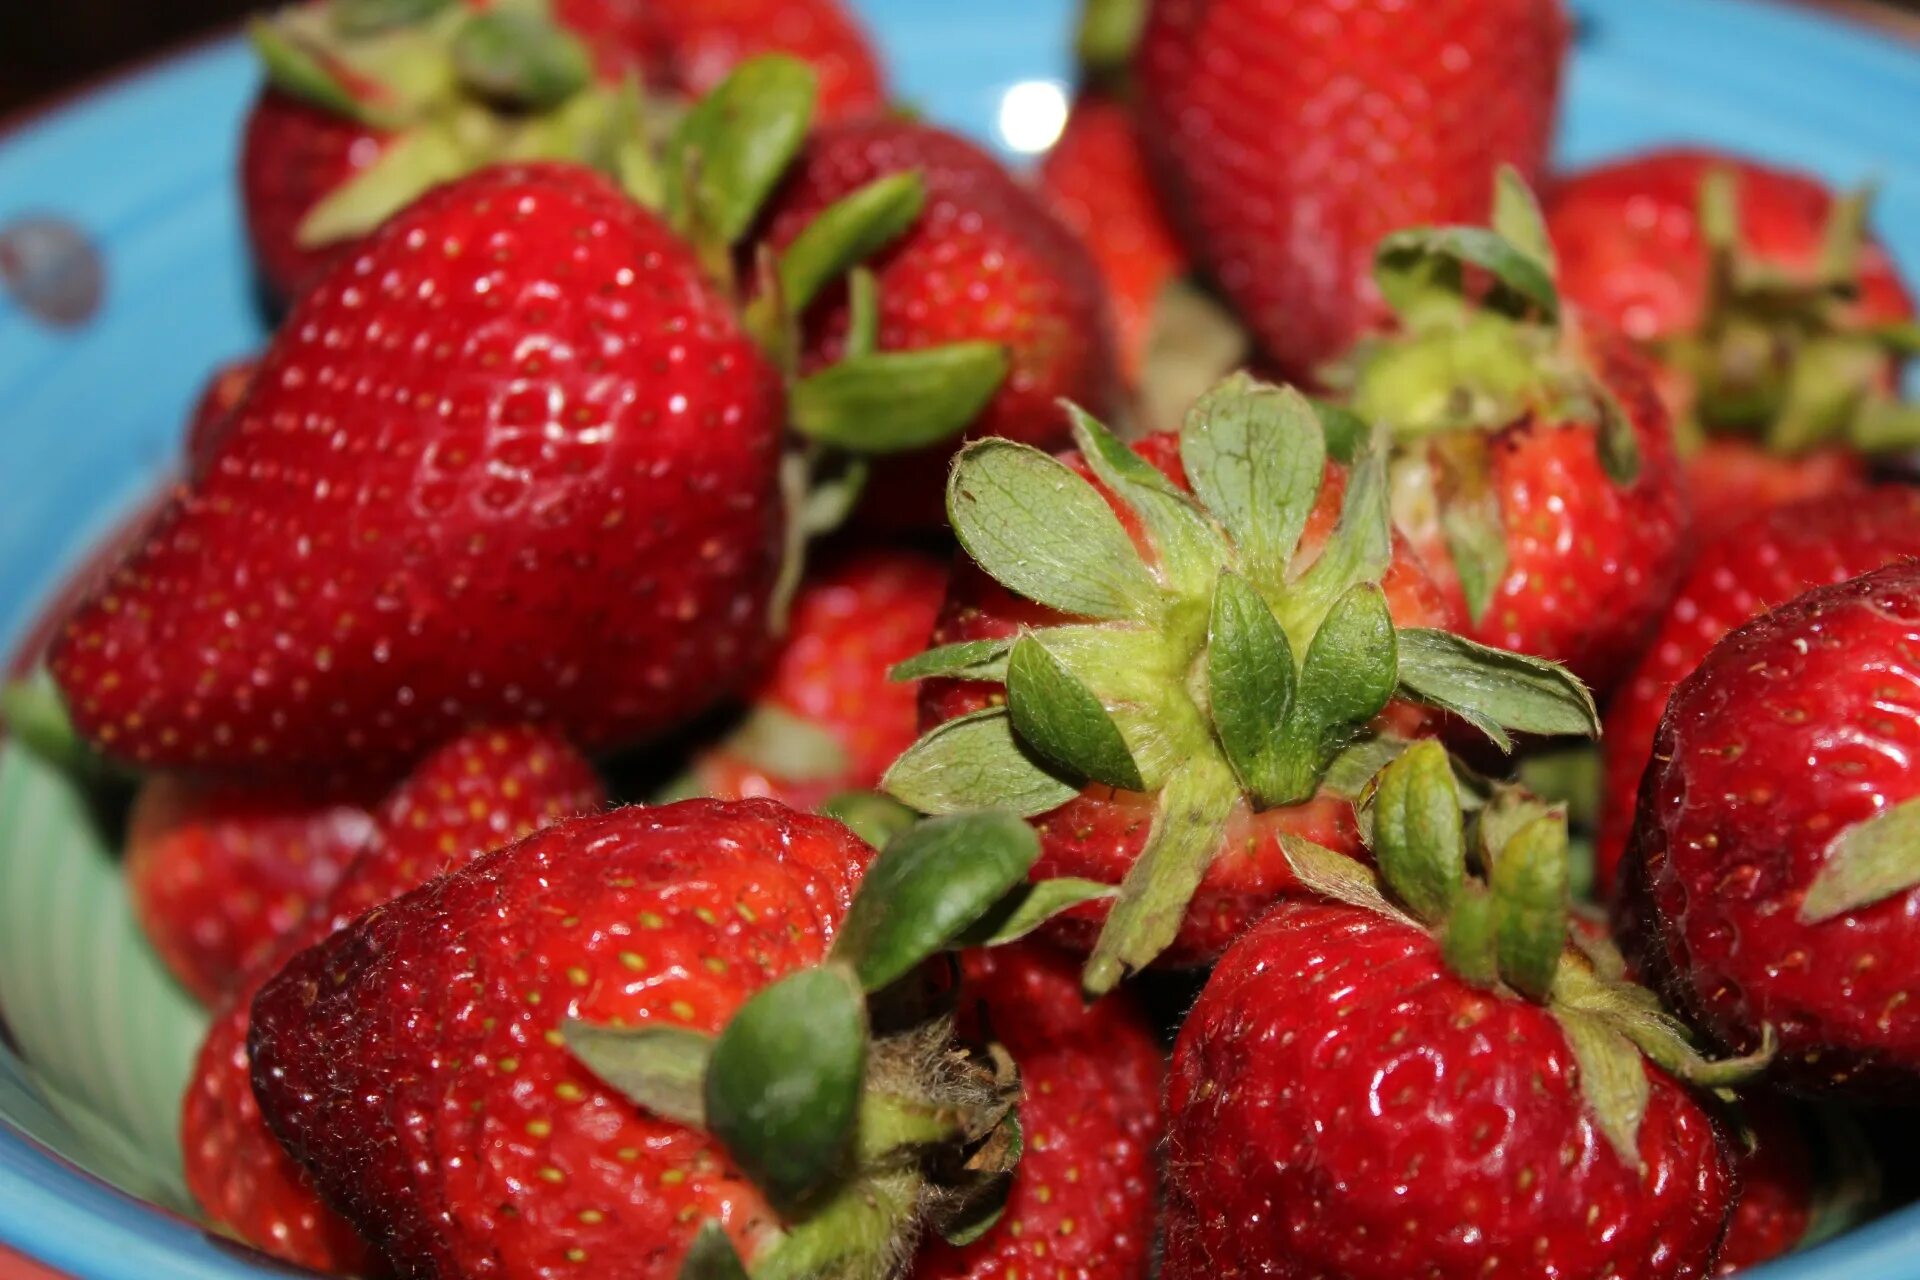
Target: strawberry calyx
[[1488, 876], [34, 715], [1108, 33], [839, 1090], [1214, 670]]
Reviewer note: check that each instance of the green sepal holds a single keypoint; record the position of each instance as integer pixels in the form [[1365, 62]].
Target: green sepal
[[1866, 863], [1883, 425], [1040, 530], [1492, 689], [1518, 219], [1250, 684], [1530, 905], [968, 660], [1359, 551], [1188, 819], [1063, 721], [1335, 876], [1619, 442], [408, 166], [1256, 456], [847, 233], [868, 814], [370, 17], [776, 741], [1347, 433], [1190, 548], [1470, 518], [894, 401], [974, 762], [1900, 338], [1613, 1080], [1418, 840], [1506, 812], [296, 69], [783, 1087], [978, 1212], [734, 146], [1467, 937], [1108, 32], [931, 884], [660, 1069], [1412, 265], [712, 1256], [1352, 772], [1030, 906], [1663, 1039], [520, 59], [1346, 679], [33, 714]]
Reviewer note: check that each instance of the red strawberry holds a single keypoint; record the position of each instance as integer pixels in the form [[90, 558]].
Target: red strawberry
[[515, 459], [1763, 563], [464, 1136], [986, 262], [695, 43], [1771, 857], [219, 873], [1084, 1195], [1104, 600], [1729, 480], [292, 155], [1293, 134], [476, 793], [1805, 1174], [207, 427], [1365, 1094], [825, 719]]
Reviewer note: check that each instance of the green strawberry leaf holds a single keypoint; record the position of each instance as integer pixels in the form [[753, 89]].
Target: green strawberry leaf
[[33, 714], [777, 742], [1530, 905], [295, 68], [1347, 677], [1109, 30], [1418, 840], [1064, 721], [520, 59], [1517, 217], [1190, 548], [369, 17], [1139, 678], [1613, 1080], [894, 401], [974, 762], [1354, 769], [968, 660], [1413, 264], [1250, 684], [1256, 456], [784, 1084], [661, 1069], [1492, 689], [1040, 530], [712, 1256], [932, 883], [1347, 433], [847, 233], [409, 166], [1359, 551], [1508, 810], [1867, 863], [734, 146], [1901, 338], [1030, 906], [1636, 1013], [1619, 443], [1467, 937], [1337, 877], [871, 816]]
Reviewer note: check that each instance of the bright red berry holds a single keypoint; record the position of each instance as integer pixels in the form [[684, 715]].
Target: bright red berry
[[695, 43], [207, 426]]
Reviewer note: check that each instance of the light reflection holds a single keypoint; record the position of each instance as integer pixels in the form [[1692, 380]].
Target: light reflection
[[1032, 115]]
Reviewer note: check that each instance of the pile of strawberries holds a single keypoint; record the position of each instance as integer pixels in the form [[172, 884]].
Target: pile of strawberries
[[672, 702]]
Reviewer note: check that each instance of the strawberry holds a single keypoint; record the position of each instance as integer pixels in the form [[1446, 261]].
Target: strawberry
[[984, 262], [520, 414], [1083, 1198], [1768, 884], [1806, 1174], [1438, 1083], [695, 43], [1126, 678], [219, 872], [1761, 564], [292, 155], [591, 1042], [207, 426], [825, 719], [472, 795], [1534, 466], [1775, 315], [1291, 135]]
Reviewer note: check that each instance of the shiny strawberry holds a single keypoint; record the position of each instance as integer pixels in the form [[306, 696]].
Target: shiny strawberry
[[219, 873], [1120, 663], [709, 961], [1768, 560], [984, 262], [516, 459], [478, 792], [207, 426], [695, 43], [1431, 1080], [1729, 479], [825, 718], [1771, 863], [292, 155], [1292, 135]]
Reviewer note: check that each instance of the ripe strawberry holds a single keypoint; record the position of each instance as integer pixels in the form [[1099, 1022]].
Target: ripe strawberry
[[1765, 562], [1728, 480], [219, 873], [207, 427], [985, 261], [1126, 680], [695, 43], [825, 719], [1361, 1093], [516, 459], [1770, 866], [1084, 1196], [474, 794], [465, 1136], [292, 155], [1291, 135], [1805, 1174], [1534, 466]]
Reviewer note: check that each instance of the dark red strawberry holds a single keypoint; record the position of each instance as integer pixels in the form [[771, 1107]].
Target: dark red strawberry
[[1806, 1173], [825, 719], [516, 459], [1763, 563], [207, 427], [220, 873], [1293, 135], [473, 795], [985, 262], [1366, 1092], [465, 1135], [1127, 677], [292, 155], [695, 43], [1084, 1196], [1771, 861]]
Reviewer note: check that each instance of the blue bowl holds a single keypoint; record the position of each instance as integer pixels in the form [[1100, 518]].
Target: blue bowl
[[95, 1043]]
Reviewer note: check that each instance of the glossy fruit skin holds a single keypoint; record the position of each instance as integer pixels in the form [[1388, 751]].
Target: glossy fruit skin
[[1085, 1191], [1797, 726], [1291, 135], [1761, 564], [1096, 180], [695, 43], [1776, 1201], [412, 1063], [219, 874], [470, 796], [292, 154], [1729, 479], [860, 613], [985, 261], [516, 459], [1342, 1106], [1099, 834]]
